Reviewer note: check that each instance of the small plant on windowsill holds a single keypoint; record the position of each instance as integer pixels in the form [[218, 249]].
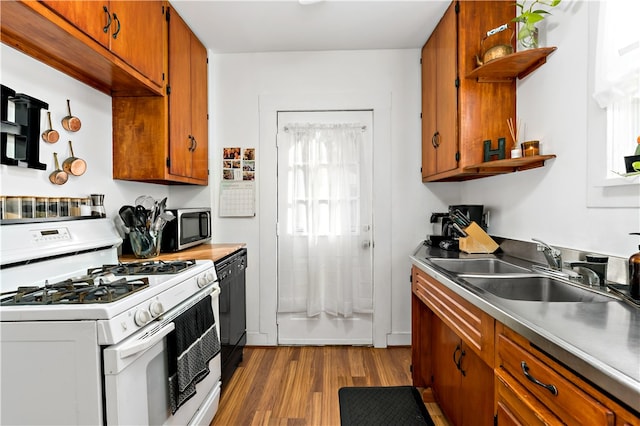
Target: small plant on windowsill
[[531, 14]]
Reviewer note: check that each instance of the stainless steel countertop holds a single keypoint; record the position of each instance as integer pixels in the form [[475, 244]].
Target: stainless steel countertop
[[600, 341]]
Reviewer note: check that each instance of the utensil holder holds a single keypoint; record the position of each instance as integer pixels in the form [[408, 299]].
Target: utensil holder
[[145, 244]]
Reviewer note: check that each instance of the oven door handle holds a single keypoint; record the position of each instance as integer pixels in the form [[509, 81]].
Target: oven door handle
[[145, 343]]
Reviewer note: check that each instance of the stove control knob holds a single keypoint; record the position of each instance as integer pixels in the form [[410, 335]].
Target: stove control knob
[[141, 317], [202, 281], [156, 309], [210, 277]]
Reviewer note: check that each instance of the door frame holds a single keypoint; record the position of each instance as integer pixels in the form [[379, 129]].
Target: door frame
[[269, 106]]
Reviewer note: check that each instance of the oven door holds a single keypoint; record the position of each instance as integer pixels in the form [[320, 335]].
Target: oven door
[[136, 376]]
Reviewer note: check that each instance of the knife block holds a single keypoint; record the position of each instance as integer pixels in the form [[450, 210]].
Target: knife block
[[477, 241]]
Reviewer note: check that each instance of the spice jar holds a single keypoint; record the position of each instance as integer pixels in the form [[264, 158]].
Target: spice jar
[[13, 209], [41, 207], [64, 207], [53, 208], [85, 206], [74, 207]]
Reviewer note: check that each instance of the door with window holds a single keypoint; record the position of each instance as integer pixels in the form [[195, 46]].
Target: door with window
[[325, 283]]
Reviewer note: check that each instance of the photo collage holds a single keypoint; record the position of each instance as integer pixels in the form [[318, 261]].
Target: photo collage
[[238, 164]]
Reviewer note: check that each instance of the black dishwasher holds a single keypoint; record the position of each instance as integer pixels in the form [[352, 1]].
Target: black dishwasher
[[233, 312]]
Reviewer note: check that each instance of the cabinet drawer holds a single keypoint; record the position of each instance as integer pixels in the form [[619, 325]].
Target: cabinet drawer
[[473, 326], [516, 406], [567, 401]]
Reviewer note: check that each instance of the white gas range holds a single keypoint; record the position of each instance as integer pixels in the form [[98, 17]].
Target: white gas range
[[91, 341]]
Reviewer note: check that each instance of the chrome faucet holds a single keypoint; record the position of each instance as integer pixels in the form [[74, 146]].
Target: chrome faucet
[[553, 255]]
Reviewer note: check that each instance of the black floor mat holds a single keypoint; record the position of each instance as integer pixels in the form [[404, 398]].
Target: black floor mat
[[393, 405]]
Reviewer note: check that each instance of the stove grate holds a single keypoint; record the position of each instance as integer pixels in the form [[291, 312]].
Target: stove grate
[[76, 291]]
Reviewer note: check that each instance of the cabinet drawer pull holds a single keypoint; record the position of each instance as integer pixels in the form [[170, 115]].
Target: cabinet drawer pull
[[115, 18], [106, 27], [525, 371]]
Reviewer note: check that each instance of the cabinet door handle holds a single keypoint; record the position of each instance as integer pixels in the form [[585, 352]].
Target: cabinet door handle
[[458, 362], [434, 140], [191, 143], [106, 27], [525, 371], [115, 18], [195, 143]]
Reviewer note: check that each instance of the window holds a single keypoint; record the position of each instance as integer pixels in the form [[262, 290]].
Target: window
[[617, 79]]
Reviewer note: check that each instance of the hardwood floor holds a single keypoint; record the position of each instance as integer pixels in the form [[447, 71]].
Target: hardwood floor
[[298, 385]]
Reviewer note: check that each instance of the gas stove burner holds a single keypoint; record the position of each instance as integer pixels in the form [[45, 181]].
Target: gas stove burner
[[150, 267], [76, 291]]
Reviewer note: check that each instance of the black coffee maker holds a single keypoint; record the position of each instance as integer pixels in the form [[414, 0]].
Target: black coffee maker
[[448, 238]]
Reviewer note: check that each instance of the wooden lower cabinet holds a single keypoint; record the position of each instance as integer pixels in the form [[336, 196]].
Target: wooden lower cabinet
[[447, 355], [462, 382], [481, 371]]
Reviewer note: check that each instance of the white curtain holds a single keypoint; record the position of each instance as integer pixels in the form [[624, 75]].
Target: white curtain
[[319, 236]]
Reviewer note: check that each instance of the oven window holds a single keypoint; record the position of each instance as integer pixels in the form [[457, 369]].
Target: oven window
[[157, 390]]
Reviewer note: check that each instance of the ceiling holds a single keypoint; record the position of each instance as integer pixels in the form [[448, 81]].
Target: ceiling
[[239, 26]]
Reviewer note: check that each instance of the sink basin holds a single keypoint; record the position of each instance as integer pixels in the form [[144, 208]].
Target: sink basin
[[477, 266], [535, 288]]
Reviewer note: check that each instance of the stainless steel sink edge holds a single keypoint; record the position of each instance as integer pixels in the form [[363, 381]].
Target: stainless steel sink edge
[[456, 263]]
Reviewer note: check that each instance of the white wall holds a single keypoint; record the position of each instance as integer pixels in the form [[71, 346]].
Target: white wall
[[91, 143], [550, 203], [238, 81]]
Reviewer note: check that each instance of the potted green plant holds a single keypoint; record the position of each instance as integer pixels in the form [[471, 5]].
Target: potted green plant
[[531, 14]]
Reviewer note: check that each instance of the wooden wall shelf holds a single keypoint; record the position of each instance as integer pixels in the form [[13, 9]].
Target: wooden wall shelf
[[508, 165], [509, 67]]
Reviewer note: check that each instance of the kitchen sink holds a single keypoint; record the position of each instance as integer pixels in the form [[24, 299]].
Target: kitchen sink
[[477, 266], [535, 288]]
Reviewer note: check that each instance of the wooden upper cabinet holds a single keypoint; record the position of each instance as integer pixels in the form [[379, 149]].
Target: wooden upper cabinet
[[439, 102], [165, 139], [188, 106], [459, 114], [76, 38], [133, 30]]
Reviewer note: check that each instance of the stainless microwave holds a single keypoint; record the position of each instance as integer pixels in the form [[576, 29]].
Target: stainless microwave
[[190, 227]]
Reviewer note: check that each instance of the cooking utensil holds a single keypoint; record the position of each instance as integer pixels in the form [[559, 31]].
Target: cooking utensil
[[58, 176], [145, 201], [50, 135], [127, 214], [70, 122], [141, 217], [74, 165], [162, 220]]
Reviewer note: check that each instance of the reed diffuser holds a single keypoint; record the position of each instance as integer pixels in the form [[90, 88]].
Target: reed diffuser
[[514, 129]]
